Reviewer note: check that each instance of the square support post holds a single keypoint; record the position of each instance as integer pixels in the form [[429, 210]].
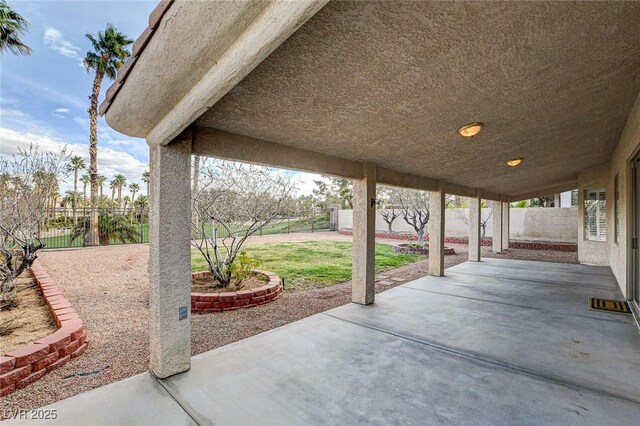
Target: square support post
[[364, 236], [437, 202], [475, 218], [496, 207], [170, 257], [505, 225]]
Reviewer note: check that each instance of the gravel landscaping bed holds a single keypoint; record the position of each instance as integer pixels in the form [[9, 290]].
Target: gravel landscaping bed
[[109, 288]]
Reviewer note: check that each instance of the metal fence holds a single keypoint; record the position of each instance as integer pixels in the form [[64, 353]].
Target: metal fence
[[62, 228]]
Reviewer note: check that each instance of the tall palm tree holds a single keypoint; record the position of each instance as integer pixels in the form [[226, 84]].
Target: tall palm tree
[[120, 181], [101, 180], [146, 178], [109, 53], [12, 27], [134, 188], [75, 165], [86, 180], [114, 186]]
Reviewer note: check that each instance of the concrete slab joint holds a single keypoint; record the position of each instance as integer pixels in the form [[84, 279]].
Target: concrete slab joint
[[436, 231], [169, 257], [364, 224]]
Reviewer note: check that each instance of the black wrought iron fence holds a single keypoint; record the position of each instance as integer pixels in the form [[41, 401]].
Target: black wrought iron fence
[[64, 228]]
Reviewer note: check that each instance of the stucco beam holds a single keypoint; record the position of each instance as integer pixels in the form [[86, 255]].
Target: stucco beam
[[259, 39], [230, 146], [211, 142], [556, 189]]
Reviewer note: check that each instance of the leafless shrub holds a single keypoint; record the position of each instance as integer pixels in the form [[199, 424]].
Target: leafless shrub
[[27, 181], [233, 202]]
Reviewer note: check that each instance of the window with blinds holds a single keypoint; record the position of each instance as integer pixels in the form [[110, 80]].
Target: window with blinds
[[595, 218]]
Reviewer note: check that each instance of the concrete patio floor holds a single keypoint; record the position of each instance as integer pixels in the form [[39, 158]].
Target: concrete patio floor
[[495, 342]]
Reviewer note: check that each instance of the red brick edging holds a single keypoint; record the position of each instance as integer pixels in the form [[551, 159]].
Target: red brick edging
[[528, 245], [202, 303], [32, 361]]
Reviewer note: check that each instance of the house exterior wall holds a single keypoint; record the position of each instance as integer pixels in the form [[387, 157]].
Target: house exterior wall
[[619, 253], [531, 224]]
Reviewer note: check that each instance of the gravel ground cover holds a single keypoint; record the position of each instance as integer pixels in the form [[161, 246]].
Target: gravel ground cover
[[108, 287]]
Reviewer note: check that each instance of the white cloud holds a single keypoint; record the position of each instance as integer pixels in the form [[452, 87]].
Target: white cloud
[[62, 110], [55, 40], [13, 113], [110, 161]]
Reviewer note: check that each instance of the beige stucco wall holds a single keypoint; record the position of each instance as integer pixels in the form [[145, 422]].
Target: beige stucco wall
[[627, 148], [532, 224], [594, 252]]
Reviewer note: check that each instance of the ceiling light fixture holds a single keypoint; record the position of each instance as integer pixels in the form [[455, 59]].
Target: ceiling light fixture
[[515, 162], [470, 130]]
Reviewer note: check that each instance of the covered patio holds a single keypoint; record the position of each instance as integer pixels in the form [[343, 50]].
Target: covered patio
[[497, 341], [374, 92]]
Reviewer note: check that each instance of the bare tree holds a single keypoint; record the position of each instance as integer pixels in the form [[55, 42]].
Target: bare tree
[[32, 179], [386, 207], [234, 202], [414, 209], [484, 219]]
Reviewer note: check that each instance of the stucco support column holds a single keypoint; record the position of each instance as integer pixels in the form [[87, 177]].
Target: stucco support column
[[170, 257], [496, 207], [475, 218], [505, 225], [436, 232], [364, 228]]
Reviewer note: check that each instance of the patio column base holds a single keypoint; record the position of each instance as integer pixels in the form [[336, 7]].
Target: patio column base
[[364, 228], [436, 232], [170, 257]]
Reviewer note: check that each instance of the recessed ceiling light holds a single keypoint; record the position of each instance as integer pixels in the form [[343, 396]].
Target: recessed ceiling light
[[470, 130], [515, 162]]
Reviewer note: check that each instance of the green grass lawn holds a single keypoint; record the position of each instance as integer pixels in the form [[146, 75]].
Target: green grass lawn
[[312, 264]]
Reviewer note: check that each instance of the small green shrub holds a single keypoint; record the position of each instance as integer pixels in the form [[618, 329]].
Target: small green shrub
[[242, 266]]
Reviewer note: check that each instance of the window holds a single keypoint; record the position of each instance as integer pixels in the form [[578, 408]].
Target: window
[[595, 219], [616, 208], [574, 198]]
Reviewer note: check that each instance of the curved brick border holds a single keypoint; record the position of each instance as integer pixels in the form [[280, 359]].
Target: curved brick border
[[31, 362], [405, 249], [528, 245], [202, 303]]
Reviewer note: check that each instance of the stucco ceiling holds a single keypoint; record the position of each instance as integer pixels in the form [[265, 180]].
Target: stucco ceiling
[[390, 83]]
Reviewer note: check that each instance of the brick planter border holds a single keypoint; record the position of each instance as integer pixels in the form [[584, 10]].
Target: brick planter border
[[202, 303], [31, 362], [405, 249], [486, 242]]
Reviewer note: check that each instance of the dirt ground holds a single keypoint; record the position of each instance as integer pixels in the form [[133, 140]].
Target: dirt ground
[[29, 321], [109, 288]]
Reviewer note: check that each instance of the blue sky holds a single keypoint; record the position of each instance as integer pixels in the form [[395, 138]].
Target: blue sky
[[43, 97]]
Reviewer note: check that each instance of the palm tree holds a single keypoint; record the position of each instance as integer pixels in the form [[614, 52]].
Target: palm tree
[[86, 180], [112, 228], [142, 201], [119, 181], [75, 165], [12, 27], [134, 188], [109, 53], [146, 178], [114, 186], [101, 180]]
